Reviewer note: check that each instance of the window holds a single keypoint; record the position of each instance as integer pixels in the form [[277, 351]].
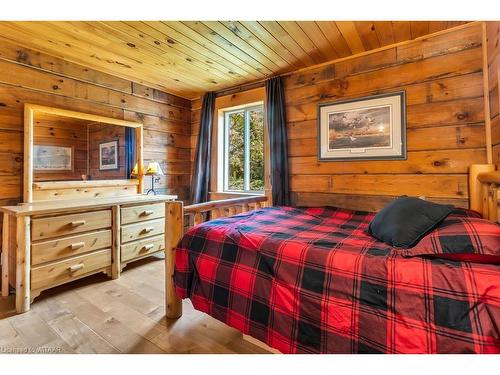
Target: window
[[244, 149]]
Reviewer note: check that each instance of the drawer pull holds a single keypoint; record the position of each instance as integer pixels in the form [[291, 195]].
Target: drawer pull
[[77, 223], [77, 245], [148, 230], [147, 247], [75, 268], [147, 212]]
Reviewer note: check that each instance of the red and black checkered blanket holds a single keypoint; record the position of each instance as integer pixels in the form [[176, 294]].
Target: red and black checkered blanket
[[313, 281]]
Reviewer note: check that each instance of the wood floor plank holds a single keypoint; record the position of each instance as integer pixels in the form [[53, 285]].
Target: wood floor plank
[[110, 328], [37, 334], [9, 338], [126, 315]]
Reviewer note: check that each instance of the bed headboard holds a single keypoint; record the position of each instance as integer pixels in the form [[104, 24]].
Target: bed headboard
[[484, 183]]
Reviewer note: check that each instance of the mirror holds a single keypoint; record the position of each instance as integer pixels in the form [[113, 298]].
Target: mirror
[[63, 146], [70, 149]]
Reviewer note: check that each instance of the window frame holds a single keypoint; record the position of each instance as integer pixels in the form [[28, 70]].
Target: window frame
[[246, 153]]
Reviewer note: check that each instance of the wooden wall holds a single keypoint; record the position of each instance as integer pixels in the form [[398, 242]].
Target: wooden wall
[[27, 76], [99, 133], [442, 77], [67, 133], [493, 35]]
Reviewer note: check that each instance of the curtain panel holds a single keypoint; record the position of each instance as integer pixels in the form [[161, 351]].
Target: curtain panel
[[200, 183], [276, 123]]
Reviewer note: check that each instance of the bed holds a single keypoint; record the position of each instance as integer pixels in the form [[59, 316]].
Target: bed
[[311, 280]]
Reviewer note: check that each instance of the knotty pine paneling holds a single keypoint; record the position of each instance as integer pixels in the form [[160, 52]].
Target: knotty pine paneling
[[66, 133], [99, 133], [32, 77], [443, 80], [189, 58]]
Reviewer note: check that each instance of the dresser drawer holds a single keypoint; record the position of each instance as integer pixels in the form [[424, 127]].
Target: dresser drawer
[[66, 270], [46, 251], [144, 212], [132, 232], [56, 226], [143, 247]]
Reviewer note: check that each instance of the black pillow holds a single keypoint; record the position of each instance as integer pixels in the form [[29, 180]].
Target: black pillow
[[404, 221]]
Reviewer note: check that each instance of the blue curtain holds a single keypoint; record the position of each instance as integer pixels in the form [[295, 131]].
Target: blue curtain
[[201, 172], [276, 123], [129, 150]]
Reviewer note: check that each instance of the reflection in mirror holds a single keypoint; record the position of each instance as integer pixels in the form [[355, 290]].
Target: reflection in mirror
[[70, 149]]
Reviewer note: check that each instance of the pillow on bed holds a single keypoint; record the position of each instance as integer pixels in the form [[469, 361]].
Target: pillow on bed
[[465, 212], [463, 239], [404, 221]]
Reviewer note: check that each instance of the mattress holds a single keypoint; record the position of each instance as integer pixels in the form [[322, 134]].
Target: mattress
[[311, 280]]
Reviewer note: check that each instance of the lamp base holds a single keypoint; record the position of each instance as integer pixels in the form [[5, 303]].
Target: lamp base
[[152, 190]]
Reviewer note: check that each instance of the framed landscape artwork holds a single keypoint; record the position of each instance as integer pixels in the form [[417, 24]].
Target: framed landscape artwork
[[49, 158], [108, 155], [365, 128]]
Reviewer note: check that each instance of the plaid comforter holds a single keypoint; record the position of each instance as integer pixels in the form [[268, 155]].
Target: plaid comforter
[[312, 281]]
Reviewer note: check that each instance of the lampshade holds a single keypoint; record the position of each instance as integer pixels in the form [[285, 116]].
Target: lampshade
[[154, 169], [135, 171]]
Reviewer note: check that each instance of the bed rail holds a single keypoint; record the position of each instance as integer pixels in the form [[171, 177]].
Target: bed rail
[[484, 183], [222, 208], [175, 217]]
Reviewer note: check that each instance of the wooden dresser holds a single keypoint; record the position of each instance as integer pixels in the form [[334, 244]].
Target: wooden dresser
[[46, 244]]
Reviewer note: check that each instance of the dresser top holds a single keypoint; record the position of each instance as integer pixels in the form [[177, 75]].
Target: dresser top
[[58, 206]]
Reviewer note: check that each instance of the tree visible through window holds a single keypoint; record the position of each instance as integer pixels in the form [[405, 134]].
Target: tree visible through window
[[244, 149]]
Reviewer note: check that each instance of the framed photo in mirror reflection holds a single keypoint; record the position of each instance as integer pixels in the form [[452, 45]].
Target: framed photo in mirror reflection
[[108, 155], [52, 158]]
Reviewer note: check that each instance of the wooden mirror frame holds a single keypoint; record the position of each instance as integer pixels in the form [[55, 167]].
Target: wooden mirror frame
[[29, 117]]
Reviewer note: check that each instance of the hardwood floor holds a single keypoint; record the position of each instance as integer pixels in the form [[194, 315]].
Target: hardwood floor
[[127, 315]]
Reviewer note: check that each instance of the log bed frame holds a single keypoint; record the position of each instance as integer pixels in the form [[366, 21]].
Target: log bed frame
[[180, 218], [484, 183]]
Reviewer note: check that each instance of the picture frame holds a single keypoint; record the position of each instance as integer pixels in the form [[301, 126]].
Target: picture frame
[[108, 155], [366, 128], [49, 158]]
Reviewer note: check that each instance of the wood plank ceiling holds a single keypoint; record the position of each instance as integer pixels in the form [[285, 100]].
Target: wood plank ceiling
[[191, 57]]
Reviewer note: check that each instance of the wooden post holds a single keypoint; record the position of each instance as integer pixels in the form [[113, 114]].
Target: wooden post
[[493, 202], [214, 214], [5, 255], [23, 261], [139, 136], [198, 218], [174, 228], [475, 188], [116, 261], [486, 96], [28, 154]]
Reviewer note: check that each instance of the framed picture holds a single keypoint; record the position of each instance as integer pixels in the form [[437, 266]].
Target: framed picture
[[372, 128], [50, 158], [108, 155]]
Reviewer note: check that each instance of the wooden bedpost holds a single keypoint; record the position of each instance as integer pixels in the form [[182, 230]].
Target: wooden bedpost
[[477, 196], [174, 228]]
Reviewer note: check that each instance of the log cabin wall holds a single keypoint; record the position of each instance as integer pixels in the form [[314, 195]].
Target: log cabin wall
[[442, 77], [493, 51], [99, 133], [66, 133], [27, 76]]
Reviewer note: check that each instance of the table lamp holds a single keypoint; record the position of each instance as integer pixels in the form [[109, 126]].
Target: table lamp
[[154, 170]]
